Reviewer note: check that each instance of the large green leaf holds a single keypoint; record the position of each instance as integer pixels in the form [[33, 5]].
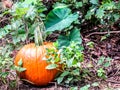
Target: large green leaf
[[74, 36], [100, 13], [59, 18]]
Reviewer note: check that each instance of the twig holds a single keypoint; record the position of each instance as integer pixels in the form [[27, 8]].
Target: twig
[[102, 33]]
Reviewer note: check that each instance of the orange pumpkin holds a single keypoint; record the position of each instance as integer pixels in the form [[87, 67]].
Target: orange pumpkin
[[32, 59]]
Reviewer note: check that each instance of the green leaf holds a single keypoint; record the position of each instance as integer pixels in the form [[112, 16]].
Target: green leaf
[[116, 17], [109, 6], [76, 72], [59, 5], [20, 63], [94, 2], [20, 69], [86, 87], [95, 84], [100, 13], [3, 32], [101, 60], [107, 64], [90, 12], [101, 72], [85, 1], [108, 59], [69, 79], [90, 44], [103, 37], [60, 79], [63, 41], [52, 66], [59, 19], [74, 36], [21, 11], [74, 88], [79, 4], [65, 73], [31, 13]]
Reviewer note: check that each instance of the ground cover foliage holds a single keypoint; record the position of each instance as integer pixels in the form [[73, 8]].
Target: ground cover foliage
[[86, 33]]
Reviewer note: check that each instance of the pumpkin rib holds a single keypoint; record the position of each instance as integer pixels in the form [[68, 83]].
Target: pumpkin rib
[[37, 62], [26, 60]]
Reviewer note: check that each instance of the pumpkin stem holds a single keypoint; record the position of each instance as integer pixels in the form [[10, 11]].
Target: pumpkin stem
[[39, 31]]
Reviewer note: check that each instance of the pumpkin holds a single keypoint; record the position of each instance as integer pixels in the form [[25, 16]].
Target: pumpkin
[[32, 59]]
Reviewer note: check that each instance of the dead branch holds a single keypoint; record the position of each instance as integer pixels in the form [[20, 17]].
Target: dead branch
[[109, 32]]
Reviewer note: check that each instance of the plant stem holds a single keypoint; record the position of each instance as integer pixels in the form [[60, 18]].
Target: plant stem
[[38, 33], [38, 36]]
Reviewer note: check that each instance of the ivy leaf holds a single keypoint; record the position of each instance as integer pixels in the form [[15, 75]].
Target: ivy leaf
[[101, 60], [79, 4], [74, 36], [108, 59], [90, 12], [100, 13], [109, 6], [31, 13], [86, 87], [52, 66], [20, 69], [94, 2], [59, 18], [3, 32], [65, 73], [107, 64], [60, 79], [74, 88], [95, 84], [116, 17]]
